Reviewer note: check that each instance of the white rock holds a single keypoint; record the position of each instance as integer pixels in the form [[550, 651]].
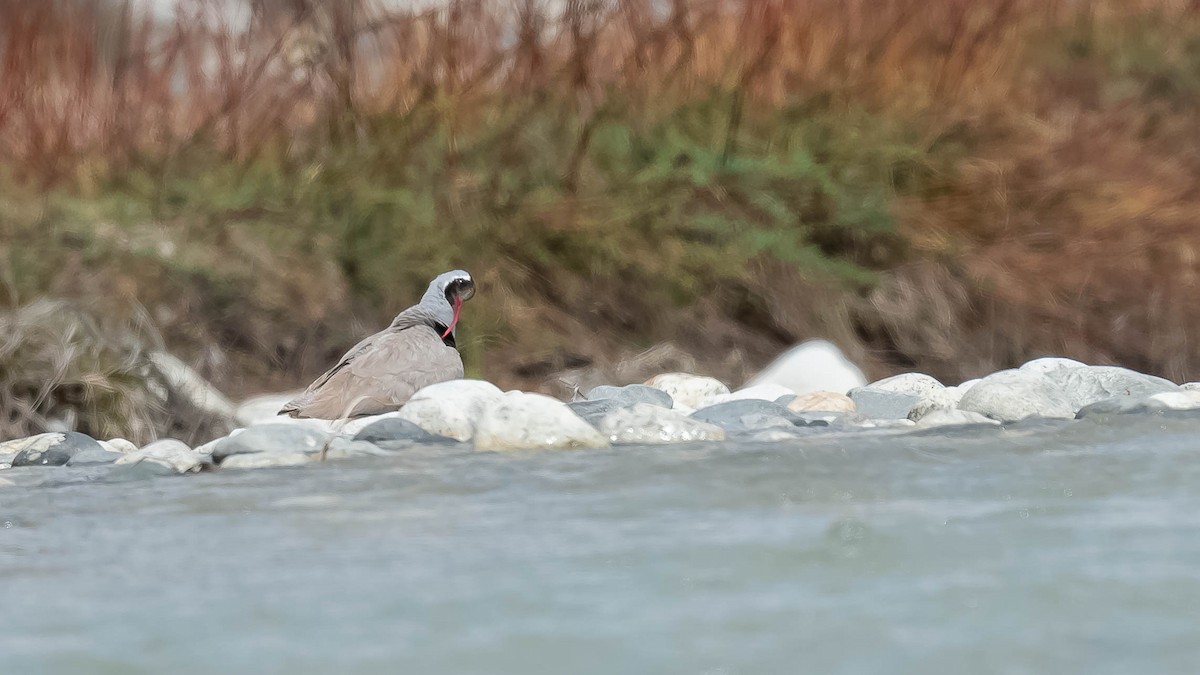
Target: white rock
[[760, 392], [964, 387], [262, 460], [1190, 386], [167, 452], [1011, 395], [119, 445], [1188, 399], [1050, 364], [953, 418], [1091, 384], [821, 401], [519, 420], [264, 409], [931, 394], [815, 365], [687, 391], [188, 382], [451, 408], [645, 423]]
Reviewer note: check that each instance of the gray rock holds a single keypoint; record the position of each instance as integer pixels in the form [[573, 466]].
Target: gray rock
[[1125, 405], [170, 454], [746, 414], [594, 411], [931, 394], [88, 457], [1011, 395], [954, 418], [394, 430], [270, 439], [51, 449], [882, 404], [632, 393], [1092, 384], [645, 423]]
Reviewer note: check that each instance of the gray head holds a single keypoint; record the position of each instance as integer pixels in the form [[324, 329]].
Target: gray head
[[446, 294]]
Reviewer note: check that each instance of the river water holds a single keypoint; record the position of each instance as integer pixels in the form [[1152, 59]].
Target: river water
[[1035, 549]]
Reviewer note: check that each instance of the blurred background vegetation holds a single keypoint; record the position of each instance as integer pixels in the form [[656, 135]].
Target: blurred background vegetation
[[948, 186]]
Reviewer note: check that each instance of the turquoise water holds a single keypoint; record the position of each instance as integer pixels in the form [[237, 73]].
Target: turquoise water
[[1037, 549]]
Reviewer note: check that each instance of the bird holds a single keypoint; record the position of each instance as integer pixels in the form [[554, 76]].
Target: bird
[[383, 371]]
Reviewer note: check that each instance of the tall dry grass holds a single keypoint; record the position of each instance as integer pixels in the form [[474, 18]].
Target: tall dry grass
[[1035, 157]]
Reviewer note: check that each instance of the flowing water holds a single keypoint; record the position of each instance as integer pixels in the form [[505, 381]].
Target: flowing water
[[1036, 549]]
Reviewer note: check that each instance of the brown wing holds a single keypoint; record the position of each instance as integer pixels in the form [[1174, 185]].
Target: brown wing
[[378, 375]]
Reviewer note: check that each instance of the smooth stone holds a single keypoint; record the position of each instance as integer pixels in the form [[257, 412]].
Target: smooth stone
[[187, 382], [760, 392], [1011, 395], [687, 390], [814, 365], [1190, 386], [820, 401], [954, 418], [632, 393], [931, 394], [650, 424], [882, 404], [87, 457], [964, 387], [169, 453], [119, 445], [451, 408], [746, 414], [1050, 364], [50, 449], [1092, 384], [1125, 405], [527, 421], [271, 439], [395, 429]]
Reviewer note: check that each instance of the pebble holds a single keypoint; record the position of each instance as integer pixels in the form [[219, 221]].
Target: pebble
[[49, 449], [1011, 395], [526, 421], [815, 365], [651, 424], [687, 390], [451, 408], [823, 401]]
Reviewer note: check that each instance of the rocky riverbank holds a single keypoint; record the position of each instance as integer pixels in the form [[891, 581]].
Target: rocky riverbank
[[782, 404]]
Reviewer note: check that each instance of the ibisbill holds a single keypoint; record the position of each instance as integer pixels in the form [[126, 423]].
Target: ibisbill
[[383, 371]]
